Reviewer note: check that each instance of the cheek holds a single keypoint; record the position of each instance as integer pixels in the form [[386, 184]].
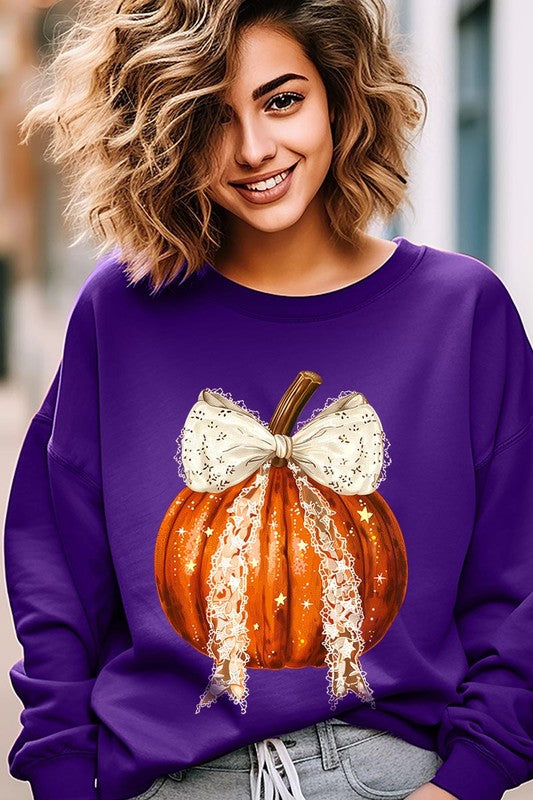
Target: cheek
[[217, 184], [217, 187], [312, 135], [319, 154], [322, 137]]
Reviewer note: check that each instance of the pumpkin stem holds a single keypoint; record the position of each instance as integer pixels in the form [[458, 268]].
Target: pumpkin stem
[[290, 406]]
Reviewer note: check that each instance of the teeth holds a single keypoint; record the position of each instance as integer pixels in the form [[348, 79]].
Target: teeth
[[260, 186]]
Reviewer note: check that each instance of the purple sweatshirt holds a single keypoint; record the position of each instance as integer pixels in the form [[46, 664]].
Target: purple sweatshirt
[[236, 514]]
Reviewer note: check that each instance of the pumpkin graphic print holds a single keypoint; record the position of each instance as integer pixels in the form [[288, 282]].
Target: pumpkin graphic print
[[279, 552]]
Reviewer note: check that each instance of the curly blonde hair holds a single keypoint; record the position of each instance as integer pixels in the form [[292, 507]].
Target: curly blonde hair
[[134, 95]]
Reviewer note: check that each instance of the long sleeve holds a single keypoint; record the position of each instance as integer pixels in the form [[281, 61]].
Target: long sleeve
[[61, 583], [486, 736]]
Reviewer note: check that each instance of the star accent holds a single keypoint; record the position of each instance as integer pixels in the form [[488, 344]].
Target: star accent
[[306, 604], [256, 626], [190, 565], [254, 562], [302, 545], [365, 514], [280, 599], [380, 578], [234, 581], [208, 531], [346, 649]]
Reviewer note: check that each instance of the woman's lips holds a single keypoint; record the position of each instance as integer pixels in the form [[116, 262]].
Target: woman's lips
[[268, 195]]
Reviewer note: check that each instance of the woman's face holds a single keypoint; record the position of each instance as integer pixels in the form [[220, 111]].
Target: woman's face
[[271, 130]]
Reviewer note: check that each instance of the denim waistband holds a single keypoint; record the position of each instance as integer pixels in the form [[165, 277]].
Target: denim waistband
[[264, 759]]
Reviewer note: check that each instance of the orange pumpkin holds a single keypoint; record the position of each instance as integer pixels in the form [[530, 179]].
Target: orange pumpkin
[[285, 584], [287, 632]]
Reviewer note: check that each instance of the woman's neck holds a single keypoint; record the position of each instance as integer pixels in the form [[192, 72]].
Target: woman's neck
[[303, 261]]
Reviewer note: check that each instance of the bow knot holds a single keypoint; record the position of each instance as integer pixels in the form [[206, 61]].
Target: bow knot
[[283, 445]]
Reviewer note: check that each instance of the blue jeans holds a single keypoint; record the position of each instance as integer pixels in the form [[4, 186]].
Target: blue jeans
[[330, 759]]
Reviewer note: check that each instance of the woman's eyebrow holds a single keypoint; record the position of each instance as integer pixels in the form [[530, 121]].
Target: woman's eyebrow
[[274, 83]]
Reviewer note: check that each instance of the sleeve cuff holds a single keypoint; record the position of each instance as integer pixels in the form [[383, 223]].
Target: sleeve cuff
[[69, 776], [469, 775]]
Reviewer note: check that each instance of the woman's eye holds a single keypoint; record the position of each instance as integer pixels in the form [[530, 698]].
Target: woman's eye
[[286, 95], [292, 97]]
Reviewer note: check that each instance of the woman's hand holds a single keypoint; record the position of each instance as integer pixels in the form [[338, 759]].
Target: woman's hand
[[430, 792]]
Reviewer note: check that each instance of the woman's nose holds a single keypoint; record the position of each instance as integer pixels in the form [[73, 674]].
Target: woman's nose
[[254, 144]]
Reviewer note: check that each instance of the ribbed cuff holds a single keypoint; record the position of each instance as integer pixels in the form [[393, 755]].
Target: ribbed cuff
[[468, 775], [69, 776]]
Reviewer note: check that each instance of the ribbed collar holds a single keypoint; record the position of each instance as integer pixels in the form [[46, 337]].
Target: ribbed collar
[[314, 306]]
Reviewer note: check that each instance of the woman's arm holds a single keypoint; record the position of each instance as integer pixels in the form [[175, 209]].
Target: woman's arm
[[486, 733], [60, 579]]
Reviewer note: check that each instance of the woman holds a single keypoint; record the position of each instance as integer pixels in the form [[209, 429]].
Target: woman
[[181, 635]]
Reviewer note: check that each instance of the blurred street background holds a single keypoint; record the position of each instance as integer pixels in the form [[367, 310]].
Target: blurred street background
[[471, 188]]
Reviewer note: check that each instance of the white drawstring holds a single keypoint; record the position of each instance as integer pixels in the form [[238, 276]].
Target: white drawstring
[[268, 773]]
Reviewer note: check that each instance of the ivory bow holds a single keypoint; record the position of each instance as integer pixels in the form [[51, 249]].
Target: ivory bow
[[342, 447]]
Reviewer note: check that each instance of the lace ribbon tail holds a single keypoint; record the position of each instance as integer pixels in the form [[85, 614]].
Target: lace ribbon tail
[[342, 609], [227, 599]]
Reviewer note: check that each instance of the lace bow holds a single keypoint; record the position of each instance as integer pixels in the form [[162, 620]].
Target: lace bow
[[342, 447]]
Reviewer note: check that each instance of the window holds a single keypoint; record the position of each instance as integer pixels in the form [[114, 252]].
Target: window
[[473, 129]]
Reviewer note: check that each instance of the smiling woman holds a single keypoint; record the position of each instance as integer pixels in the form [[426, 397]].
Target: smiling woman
[[157, 109], [289, 132], [191, 614]]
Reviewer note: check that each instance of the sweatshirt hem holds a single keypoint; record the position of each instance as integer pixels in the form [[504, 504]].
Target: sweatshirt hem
[[469, 774], [50, 776]]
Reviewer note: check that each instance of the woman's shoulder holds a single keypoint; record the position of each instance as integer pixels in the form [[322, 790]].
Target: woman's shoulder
[[106, 279], [109, 289], [464, 276]]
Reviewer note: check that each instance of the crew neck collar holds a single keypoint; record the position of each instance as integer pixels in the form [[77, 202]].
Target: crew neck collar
[[255, 302]]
